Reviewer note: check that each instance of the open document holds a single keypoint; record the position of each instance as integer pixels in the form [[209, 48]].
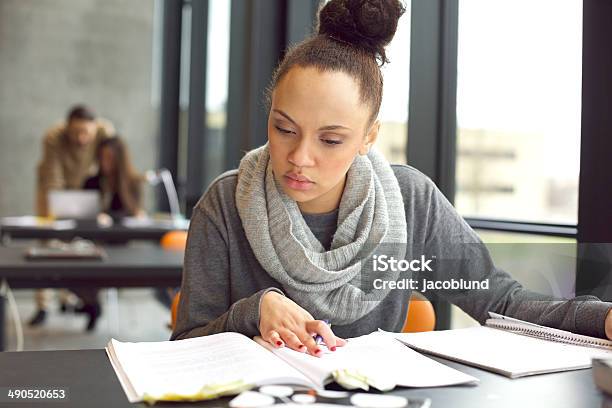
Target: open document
[[228, 363]]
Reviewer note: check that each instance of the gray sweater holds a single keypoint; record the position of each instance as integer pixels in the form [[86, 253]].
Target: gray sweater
[[223, 283]]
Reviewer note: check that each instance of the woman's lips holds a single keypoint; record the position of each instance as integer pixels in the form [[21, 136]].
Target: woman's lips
[[301, 185]]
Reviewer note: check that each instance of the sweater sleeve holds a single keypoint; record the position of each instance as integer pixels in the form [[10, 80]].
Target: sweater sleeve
[[205, 305], [462, 255]]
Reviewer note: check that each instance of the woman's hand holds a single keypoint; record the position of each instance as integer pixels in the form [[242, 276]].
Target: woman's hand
[[283, 322], [609, 325]]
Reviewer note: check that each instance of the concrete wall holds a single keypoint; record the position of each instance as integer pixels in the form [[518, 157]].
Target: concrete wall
[[55, 53]]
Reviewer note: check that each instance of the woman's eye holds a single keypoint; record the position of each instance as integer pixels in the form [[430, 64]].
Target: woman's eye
[[280, 129], [331, 142]]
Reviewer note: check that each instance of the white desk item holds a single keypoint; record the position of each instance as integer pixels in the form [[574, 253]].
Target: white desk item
[[32, 221], [304, 399], [278, 391], [332, 394], [362, 400], [251, 399], [74, 204]]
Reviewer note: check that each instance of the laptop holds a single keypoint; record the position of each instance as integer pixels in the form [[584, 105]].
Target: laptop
[[77, 204]]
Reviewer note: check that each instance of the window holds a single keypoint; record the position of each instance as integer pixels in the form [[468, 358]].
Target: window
[[543, 264], [217, 85], [394, 109], [518, 109]]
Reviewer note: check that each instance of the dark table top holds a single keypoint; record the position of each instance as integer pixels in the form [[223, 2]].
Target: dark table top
[[89, 229], [91, 382], [142, 265]]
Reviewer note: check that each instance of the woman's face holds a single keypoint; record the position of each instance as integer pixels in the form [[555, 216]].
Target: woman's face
[[316, 127], [107, 161]]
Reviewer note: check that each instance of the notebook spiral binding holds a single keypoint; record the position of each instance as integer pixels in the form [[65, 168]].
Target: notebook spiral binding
[[559, 336]]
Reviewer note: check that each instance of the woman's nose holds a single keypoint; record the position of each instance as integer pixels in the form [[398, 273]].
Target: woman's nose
[[301, 155]]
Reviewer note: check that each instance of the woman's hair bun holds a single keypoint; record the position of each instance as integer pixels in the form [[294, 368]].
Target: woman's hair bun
[[367, 24]]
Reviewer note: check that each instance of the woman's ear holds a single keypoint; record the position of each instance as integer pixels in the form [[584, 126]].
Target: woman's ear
[[370, 138]]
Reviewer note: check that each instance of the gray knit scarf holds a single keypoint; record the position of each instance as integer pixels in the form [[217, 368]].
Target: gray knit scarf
[[325, 283]]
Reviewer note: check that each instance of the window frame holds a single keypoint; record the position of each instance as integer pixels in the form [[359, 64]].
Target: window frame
[[432, 102]]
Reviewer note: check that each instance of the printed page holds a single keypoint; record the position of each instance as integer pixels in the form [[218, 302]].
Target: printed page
[[378, 356], [184, 366], [503, 352]]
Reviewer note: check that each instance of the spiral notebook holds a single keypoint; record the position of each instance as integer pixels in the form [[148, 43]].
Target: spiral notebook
[[511, 347]]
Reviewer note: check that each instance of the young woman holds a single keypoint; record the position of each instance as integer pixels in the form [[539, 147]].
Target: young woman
[[277, 246], [119, 184], [120, 188]]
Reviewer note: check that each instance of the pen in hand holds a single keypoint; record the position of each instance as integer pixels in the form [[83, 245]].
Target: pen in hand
[[318, 338]]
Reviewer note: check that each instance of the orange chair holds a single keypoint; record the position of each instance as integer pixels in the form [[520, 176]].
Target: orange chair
[[174, 309], [174, 240], [421, 315]]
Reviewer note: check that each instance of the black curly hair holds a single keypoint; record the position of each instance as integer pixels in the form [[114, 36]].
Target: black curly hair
[[351, 38]]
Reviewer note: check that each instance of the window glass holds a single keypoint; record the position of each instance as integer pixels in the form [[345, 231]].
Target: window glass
[[518, 109], [394, 109], [217, 85], [540, 263]]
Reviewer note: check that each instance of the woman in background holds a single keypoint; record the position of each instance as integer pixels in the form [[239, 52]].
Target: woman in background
[[120, 188], [119, 184]]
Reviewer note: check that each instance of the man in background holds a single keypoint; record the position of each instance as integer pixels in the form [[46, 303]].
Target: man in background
[[68, 158]]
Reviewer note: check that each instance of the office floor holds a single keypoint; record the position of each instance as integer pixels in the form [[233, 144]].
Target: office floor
[[128, 315]]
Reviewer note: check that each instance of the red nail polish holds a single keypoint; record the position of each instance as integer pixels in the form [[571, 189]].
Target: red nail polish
[[317, 351], [279, 343], [333, 348], [302, 347]]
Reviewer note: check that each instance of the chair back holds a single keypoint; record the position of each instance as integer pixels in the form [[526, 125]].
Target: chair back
[[174, 309], [174, 240], [421, 315]]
